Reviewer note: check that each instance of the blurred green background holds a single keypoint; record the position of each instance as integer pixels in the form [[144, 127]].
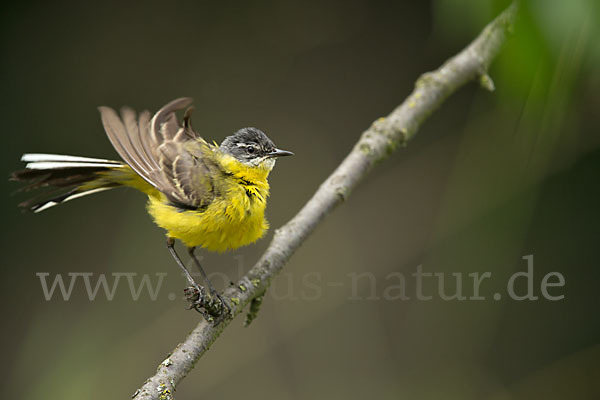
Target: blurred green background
[[490, 178]]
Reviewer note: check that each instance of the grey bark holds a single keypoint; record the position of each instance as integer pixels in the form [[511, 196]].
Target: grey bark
[[375, 144]]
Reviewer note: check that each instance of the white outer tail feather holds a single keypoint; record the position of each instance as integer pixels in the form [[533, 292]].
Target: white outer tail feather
[[51, 203], [55, 161], [36, 157], [41, 161], [64, 164]]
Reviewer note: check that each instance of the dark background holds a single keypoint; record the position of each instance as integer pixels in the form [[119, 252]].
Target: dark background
[[490, 178]]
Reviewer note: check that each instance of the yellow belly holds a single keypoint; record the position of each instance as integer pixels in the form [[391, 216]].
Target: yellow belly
[[223, 225]]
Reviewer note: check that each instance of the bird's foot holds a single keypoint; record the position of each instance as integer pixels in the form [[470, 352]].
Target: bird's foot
[[212, 306], [195, 295]]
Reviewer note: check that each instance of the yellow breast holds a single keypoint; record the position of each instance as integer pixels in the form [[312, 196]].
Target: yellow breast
[[224, 225], [236, 217]]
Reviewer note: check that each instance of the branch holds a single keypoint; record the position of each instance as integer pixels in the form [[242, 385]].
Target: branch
[[375, 144]]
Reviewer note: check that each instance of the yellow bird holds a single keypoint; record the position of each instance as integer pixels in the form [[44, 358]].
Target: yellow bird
[[205, 195]]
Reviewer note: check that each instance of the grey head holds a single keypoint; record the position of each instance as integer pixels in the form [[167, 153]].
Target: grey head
[[252, 147]]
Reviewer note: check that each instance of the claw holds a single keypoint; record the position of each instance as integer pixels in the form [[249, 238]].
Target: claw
[[213, 307], [193, 294]]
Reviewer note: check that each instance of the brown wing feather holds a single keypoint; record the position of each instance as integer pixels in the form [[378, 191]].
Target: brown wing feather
[[144, 126], [190, 176], [133, 133], [157, 149], [120, 138]]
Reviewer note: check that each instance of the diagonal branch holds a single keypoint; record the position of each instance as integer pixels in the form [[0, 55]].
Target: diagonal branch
[[375, 144]]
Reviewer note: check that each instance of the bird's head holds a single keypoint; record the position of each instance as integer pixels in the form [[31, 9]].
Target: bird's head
[[251, 147]]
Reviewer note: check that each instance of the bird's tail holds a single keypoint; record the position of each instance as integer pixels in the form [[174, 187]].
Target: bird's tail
[[70, 176]]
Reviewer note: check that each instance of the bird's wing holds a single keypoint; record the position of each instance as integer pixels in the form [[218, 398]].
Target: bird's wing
[[170, 156]]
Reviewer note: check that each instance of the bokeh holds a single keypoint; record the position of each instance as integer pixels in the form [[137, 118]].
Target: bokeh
[[489, 179]]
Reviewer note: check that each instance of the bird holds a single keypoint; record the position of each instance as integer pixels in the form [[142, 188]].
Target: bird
[[206, 195]]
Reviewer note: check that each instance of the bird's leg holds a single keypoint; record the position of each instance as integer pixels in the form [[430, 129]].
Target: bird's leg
[[171, 247], [211, 288], [194, 293], [214, 304]]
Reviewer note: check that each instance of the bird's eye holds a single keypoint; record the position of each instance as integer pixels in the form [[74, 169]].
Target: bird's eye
[[250, 149]]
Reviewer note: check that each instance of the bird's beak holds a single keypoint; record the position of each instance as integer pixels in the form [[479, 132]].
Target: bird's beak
[[280, 153]]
